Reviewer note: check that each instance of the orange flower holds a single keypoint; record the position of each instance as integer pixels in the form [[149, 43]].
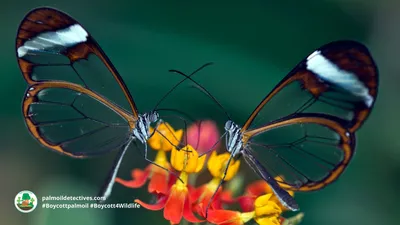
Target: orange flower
[[177, 203], [228, 217]]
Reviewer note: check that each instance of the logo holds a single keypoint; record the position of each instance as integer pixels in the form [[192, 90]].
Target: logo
[[25, 201]]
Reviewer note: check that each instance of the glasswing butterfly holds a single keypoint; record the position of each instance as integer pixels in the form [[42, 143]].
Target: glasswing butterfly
[[77, 104], [305, 127]]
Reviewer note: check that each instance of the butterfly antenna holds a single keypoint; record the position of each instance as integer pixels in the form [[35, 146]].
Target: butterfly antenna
[[184, 115], [204, 90], [180, 82]]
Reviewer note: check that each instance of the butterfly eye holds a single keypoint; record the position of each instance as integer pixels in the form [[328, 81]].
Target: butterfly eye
[[154, 117], [228, 125]]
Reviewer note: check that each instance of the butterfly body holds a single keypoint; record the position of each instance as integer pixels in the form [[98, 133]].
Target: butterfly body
[[142, 127], [234, 138]]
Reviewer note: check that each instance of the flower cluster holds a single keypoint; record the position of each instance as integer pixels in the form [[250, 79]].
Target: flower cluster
[[173, 182]]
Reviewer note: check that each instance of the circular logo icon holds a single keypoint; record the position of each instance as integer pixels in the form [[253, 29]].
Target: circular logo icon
[[25, 201]]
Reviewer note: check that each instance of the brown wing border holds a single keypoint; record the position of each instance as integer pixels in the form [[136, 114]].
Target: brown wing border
[[347, 144], [31, 97]]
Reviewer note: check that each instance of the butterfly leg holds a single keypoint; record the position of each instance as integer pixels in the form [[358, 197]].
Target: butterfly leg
[[219, 185]]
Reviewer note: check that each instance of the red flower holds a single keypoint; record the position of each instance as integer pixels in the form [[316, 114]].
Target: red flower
[[176, 205], [203, 196], [216, 166], [158, 177]]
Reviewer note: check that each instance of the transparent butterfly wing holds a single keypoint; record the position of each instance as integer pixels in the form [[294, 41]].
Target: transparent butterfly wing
[[76, 102], [322, 102]]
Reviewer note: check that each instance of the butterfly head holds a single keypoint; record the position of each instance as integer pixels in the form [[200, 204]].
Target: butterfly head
[[152, 117]]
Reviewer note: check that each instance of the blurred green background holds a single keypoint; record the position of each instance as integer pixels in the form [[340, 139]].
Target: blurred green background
[[254, 44]]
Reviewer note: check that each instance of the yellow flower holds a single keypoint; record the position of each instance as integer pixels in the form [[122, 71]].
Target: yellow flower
[[164, 136], [267, 212], [275, 198], [217, 165], [187, 159], [261, 187]]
